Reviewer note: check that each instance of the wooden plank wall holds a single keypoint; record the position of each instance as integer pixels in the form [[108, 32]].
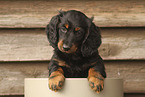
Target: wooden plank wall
[[32, 44], [13, 74], [25, 51], [30, 14]]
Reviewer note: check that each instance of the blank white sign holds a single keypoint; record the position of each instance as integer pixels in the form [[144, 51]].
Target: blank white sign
[[73, 87]]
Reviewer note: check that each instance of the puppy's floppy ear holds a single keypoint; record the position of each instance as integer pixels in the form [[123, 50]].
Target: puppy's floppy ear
[[92, 41], [52, 30]]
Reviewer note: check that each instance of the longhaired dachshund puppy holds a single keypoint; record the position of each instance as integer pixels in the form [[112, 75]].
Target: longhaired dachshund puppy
[[75, 39]]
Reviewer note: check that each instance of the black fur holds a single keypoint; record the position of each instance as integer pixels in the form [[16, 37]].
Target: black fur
[[87, 40]]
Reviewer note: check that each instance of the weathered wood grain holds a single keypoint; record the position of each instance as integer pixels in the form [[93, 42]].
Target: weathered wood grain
[[123, 43], [12, 75], [24, 45], [32, 44], [133, 73], [32, 14]]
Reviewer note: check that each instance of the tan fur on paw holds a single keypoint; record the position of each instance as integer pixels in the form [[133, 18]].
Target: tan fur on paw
[[96, 81], [96, 84], [56, 80]]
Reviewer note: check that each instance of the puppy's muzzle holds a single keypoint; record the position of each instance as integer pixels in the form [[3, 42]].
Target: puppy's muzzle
[[66, 47]]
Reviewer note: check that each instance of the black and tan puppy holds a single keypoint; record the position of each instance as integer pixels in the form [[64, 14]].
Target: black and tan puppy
[[75, 40]]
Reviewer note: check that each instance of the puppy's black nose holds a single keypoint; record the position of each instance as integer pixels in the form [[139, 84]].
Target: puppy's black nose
[[66, 47]]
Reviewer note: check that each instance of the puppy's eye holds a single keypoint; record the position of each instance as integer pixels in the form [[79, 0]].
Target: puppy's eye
[[64, 30]]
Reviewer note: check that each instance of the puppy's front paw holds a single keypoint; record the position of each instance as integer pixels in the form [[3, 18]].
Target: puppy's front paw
[[56, 82], [96, 84], [96, 80]]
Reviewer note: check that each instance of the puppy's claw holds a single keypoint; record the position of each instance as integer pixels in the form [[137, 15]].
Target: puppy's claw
[[56, 83], [96, 84]]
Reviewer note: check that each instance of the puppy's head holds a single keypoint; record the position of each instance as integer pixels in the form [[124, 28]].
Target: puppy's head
[[71, 31]]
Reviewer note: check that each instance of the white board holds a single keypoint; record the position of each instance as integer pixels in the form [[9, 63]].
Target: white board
[[73, 87]]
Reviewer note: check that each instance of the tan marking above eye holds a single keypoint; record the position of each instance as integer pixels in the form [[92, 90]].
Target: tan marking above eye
[[77, 28], [66, 26]]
